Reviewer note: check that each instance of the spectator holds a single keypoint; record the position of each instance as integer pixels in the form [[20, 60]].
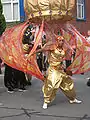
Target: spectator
[[88, 39], [0, 66], [14, 79], [8, 79], [68, 58]]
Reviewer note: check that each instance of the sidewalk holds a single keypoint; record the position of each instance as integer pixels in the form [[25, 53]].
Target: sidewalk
[[28, 105]]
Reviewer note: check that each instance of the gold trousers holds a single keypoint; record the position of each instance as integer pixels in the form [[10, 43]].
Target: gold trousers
[[57, 79]]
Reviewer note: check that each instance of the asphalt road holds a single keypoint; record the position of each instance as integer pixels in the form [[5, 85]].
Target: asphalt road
[[28, 105]]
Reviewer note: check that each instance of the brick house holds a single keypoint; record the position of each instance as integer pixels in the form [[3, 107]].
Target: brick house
[[82, 20], [16, 13]]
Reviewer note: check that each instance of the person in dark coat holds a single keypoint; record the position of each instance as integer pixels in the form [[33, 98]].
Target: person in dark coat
[[13, 79], [0, 66], [8, 78]]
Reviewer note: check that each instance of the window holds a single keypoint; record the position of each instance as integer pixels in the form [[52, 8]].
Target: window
[[81, 10], [11, 10]]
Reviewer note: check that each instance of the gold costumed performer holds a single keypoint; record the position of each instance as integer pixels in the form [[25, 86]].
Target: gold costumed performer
[[56, 77]]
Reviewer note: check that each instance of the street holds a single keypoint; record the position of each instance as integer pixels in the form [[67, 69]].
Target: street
[[28, 105]]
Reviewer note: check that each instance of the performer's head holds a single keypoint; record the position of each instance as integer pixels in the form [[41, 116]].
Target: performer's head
[[88, 32], [60, 41]]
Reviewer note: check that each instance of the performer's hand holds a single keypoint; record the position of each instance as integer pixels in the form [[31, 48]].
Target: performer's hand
[[2, 64]]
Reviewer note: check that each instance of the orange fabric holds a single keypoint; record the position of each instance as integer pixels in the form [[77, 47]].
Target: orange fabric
[[81, 61], [12, 54], [38, 39]]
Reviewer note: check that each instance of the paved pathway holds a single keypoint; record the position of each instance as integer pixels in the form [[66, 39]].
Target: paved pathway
[[28, 105]]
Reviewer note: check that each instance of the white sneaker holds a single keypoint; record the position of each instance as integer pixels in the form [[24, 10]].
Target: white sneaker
[[45, 106], [75, 101], [22, 90], [88, 78], [10, 91], [1, 104]]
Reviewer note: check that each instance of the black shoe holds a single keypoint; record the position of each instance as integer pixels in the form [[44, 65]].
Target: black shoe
[[82, 73], [29, 83], [10, 90], [88, 83], [22, 89]]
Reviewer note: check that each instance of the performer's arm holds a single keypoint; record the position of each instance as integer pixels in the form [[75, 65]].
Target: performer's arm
[[47, 47]]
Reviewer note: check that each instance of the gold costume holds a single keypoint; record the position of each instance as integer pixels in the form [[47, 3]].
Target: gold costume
[[57, 78], [49, 9]]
